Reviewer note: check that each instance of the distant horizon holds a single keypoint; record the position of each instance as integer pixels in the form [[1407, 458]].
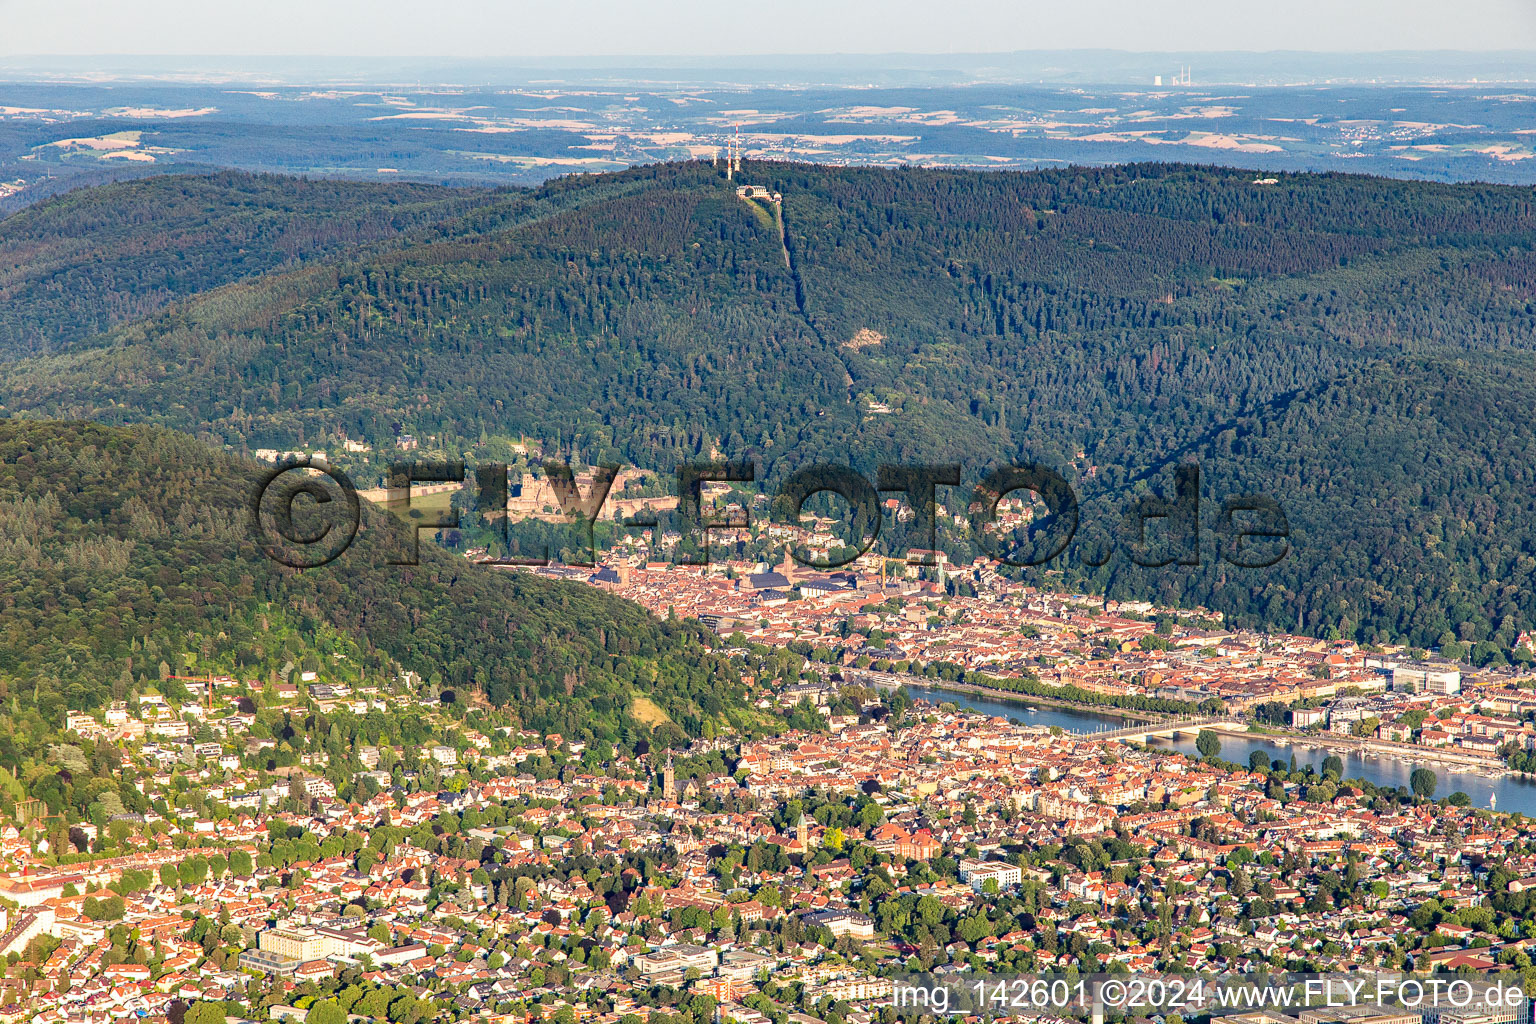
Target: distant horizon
[[793, 54], [900, 68], [583, 29]]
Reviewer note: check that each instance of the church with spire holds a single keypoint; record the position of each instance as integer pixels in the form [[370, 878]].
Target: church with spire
[[801, 843]]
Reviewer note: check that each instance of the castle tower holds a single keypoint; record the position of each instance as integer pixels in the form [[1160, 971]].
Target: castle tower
[[669, 780]]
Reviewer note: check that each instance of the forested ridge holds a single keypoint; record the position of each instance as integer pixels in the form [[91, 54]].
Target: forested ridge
[[122, 549], [1358, 348], [77, 264]]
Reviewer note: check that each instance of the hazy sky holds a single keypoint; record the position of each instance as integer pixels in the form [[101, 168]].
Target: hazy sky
[[702, 27]]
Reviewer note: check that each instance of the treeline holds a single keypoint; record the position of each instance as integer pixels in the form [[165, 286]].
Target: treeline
[[1079, 695], [1030, 685]]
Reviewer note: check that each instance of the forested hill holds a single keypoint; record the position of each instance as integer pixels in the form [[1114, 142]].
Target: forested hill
[[77, 264], [124, 551], [1327, 337]]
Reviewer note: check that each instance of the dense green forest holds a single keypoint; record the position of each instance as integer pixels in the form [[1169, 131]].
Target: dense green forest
[[79, 263], [1360, 349], [127, 552]]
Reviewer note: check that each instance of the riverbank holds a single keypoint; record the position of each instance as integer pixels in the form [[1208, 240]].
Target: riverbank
[[1488, 767], [1387, 767], [1333, 742], [896, 680]]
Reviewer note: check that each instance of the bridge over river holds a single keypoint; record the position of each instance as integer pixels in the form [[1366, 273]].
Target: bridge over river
[[1140, 732]]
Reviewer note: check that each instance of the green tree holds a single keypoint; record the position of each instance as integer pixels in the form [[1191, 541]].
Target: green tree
[[108, 908], [1208, 743], [192, 871], [327, 1012]]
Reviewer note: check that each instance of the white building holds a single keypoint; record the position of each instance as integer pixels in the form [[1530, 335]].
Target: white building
[[976, 872], [1423, 677], [679, 957], [28, 926]]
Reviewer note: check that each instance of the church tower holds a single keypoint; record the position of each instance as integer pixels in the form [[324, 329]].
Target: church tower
[[803, 833], [669, 780]]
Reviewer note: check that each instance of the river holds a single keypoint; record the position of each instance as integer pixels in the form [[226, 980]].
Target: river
[[1514, 792]]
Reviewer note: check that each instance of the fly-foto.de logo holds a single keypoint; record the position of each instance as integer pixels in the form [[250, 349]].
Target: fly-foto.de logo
[[307, 514]]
